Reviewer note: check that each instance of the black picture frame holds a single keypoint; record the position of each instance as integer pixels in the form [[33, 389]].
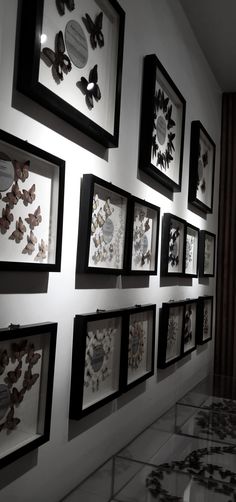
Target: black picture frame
[[162, 126], [96, 356], [191, 250], [143, 237], [170, 333], [63, 88], [102, 227], [173, 246], [189, 336], [138, 345], [27, 372], [207, 244], [204, 319], [31, 206], [201, 168]]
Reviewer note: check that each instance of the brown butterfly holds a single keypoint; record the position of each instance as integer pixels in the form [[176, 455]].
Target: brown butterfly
[[13, 376], [29, 379], [4, 361], [42, 253], [18, 350], [34, 219], [30, 246], [17, 396], [28, 196], [12, 197], [32, 356], [18, 233], [6, 219], [11, 421], [21, 170]]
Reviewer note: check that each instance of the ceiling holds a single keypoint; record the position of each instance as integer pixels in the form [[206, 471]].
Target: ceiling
[[214, 25]]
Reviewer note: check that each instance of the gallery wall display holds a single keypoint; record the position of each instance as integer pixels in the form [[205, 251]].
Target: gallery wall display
[[70, 62], [27, 356], [207, 254], [102, 226], [162, 126], [171, 324], [95, 378], [191, 250], [173, 245], [201, 168], [204, 319], [31, 206], [189, 337], [143, 235], [138, 345]]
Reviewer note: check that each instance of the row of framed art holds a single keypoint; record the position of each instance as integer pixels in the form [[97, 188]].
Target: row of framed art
[[113, 351]]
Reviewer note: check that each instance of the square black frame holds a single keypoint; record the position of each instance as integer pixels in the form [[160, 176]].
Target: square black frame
[[24, 353], [144, 255], [195, 251], [170, 240], [203, 319], [133, 358], [206, 255], [189, 327], [164, 326], [23, 161], [28, 82], [198, 162], [89, 353], [164, 139], [88, 219]]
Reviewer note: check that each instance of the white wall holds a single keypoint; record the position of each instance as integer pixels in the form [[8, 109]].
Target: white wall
[[74, 450]]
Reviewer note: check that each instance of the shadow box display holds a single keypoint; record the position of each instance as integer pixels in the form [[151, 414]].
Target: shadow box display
[[70, 62], [191, 250], [204, 319], [173, 246], [102, 226], [207, 254], [143, 232], [162, 126], [31, 206], [95, 378], [139, 341], [170, 333], [202, 168], [27, 356], [189, 339]]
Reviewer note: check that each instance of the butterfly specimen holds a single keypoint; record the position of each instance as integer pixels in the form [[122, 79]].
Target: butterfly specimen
[[95, 30], [18, 350], [6, 219], [28, 196], [90, 87], [100, 218], [32, 356], [11, 421], [42, 252], [61, 6], [95, 202], [57, 59], [14, 375], [107, 207], [146, 225], [21, 170], [145, 257], [17, 396], [18, 233], [4, 361], [173, 247], [34, 219], [30, 246], [12, 197], [29, 379]]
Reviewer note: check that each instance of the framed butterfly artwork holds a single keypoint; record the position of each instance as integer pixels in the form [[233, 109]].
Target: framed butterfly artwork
[[95, 376], [31, 206], [102, 227], [162, 126], [191, 250], [207, 244], [204, 319], [201, 168], [27, 355], [171, 325], [143, 237], [70, 62], [189, 333], [173, 248]]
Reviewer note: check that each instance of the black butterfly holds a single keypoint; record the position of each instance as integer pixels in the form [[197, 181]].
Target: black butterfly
[[11, 421], [70, 4], [58, 60], [90, 87], [170, 121], [94, 29]]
